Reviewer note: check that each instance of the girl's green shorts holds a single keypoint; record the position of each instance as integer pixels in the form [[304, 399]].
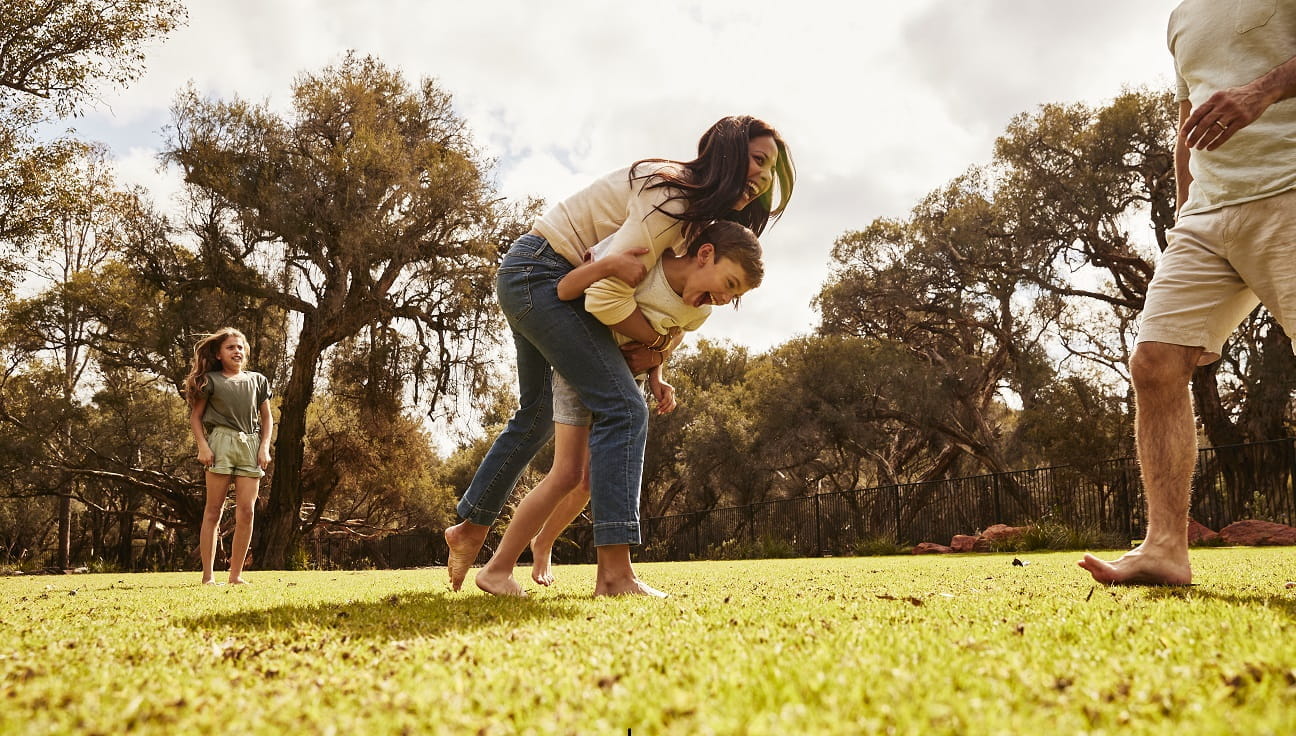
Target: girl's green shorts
[[235, 452]]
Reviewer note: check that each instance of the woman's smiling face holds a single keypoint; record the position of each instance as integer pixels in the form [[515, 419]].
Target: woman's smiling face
[[762, 152]]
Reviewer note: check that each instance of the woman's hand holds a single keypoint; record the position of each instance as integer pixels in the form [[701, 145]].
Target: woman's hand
[[205, 456], [263, 457], [640, 358], [627, 266]]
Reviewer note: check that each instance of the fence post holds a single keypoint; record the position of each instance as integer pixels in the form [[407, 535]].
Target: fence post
[[819, 550]]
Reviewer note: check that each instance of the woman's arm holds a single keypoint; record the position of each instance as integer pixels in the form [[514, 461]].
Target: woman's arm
[[205, 455]]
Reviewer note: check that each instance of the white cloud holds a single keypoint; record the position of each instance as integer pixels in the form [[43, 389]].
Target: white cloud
[[880, 101]]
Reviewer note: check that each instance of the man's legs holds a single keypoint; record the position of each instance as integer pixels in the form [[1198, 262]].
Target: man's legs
[[1165, 433]]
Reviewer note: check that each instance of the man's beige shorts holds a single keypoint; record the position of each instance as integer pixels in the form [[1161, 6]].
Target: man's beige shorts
[[1216, 267]]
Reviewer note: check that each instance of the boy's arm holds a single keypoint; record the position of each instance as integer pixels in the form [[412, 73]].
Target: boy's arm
[[662, 392], [626, 266]]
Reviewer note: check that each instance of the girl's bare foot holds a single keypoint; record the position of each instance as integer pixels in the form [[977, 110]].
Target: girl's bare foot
[[464, 540], [498, 583], [1141, 566], [541, 564]]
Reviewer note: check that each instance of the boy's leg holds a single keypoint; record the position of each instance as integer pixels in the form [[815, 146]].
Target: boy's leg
[[571, 452], [217, 488], [245, 497], [567, 511], [528, 430]]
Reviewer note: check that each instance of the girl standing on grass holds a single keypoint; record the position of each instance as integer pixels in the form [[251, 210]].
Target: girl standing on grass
[[229, 412]]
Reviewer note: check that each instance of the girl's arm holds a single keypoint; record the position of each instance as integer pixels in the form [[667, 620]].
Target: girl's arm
[[267, 428], [627, 266], [205, 454]]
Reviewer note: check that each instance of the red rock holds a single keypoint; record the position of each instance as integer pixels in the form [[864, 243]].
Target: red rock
[[1252, 532], [963, 543], [1003, 533], [1198, 533], [928, 548]]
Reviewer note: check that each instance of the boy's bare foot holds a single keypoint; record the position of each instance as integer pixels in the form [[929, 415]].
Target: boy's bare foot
[[1140, 566], [633, 587], [464, 540], [541, 564], [498, 583]]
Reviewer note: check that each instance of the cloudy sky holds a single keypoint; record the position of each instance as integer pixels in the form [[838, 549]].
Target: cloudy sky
[[881, 102]]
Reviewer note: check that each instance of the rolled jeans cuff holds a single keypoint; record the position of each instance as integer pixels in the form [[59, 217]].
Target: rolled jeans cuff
[[616, 532], [476, 514]]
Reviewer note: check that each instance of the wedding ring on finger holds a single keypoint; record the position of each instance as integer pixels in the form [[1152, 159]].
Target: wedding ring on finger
[[1222, 125]]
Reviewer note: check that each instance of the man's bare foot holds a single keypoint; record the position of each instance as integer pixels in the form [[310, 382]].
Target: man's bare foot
[[632, 587], [498, 583], [1140, 566], [541, 564], [464, 540]]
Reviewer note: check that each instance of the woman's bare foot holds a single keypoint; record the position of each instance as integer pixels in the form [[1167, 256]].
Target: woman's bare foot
[[239, 581], [541, 563], [634, 587], [464, 540], [1141, 566], [209, 581], [498, 583]]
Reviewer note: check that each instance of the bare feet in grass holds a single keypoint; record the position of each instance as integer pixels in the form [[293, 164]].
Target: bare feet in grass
[[1141, 566], [541, 564], [211, 582], [239, 581], [498, 583], [464, 540], [632, 587]]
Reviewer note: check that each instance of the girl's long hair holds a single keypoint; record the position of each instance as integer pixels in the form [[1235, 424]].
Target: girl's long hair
[[206, 358], [712, 182]]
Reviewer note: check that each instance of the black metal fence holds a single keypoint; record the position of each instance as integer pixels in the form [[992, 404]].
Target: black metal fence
[[1231, 483]]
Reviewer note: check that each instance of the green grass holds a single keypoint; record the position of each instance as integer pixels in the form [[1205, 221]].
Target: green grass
[[932, 645]]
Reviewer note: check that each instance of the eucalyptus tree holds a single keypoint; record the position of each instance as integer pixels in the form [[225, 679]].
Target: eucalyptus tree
[[365, 202]]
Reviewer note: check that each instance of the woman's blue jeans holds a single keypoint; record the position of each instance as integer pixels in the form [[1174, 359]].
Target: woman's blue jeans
[[551, 334]]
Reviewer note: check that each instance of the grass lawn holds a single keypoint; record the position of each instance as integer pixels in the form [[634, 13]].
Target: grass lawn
[[933, 645]]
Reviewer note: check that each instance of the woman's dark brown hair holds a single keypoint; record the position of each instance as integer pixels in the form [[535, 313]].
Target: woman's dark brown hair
[[712, 182]]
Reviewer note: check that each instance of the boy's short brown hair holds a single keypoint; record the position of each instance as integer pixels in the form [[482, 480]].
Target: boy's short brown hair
[[735, 242]]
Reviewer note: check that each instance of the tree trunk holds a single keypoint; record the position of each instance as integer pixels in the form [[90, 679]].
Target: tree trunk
[[125, 536], [277, 533], [65, 532]]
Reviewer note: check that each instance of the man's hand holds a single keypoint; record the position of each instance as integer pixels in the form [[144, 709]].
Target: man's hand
[[1223, 114]]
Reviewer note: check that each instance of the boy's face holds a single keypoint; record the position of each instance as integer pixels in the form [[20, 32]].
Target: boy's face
[[714, 281]]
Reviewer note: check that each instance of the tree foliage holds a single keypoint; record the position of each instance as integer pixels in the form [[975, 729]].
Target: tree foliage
[[365, 206], [60, 50]]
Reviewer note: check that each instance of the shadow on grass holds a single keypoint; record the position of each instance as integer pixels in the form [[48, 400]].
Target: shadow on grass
[[1282, 601], [397, 616]]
